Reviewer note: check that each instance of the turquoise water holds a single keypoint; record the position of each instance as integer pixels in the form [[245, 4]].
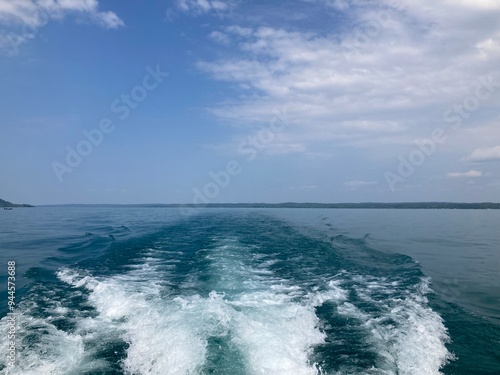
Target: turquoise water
[[242, 291]]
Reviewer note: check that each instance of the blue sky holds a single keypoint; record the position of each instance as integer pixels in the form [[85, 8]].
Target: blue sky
[[249, 101]]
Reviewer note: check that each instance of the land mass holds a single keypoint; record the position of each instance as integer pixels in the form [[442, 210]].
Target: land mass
[[9, 204], [371, 205]]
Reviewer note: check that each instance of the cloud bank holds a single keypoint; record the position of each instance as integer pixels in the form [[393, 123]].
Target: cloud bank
[[384, 77]]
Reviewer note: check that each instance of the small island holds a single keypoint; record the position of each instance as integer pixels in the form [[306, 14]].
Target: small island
[[7, 204]]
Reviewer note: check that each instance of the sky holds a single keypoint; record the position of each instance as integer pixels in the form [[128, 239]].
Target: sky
[[209, 101]]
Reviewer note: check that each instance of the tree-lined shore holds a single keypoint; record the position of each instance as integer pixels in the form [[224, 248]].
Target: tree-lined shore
[[4, 203], [365, 205]]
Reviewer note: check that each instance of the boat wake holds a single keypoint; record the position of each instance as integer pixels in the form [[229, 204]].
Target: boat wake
[[228, 307]]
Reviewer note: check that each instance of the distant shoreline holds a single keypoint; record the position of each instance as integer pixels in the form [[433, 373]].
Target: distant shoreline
[[366, 205], [7, 204]]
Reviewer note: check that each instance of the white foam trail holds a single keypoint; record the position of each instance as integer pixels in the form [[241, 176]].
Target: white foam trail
[[43, 348], [52, 352], [334, 293], [162, 337], [409, 335], [271, 322], [275, 334]]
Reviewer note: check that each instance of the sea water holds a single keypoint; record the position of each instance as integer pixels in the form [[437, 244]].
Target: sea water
[[122, 290]]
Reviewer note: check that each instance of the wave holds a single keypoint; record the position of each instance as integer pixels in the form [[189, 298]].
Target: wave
[[236, 309]]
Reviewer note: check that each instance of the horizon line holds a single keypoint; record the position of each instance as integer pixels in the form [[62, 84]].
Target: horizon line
[[263, 204]]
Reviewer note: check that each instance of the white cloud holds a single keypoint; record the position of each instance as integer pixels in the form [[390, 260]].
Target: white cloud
[[197, 7], [280, 148], [389, 69], [23, 12], [29, 15], [477, 4], [465, 174], [37, 13], [238, 30], [340, 5], [359, 183], [484, 154], [109, 20], [220, 37]]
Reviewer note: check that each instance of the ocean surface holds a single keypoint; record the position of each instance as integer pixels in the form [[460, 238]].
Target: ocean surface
[[252, 291]]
